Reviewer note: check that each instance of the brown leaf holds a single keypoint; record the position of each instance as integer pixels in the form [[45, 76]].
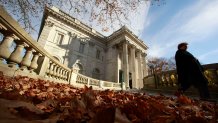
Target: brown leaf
[[106, 115]]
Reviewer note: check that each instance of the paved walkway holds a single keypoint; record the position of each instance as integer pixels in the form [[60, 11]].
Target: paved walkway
[[193, 95]]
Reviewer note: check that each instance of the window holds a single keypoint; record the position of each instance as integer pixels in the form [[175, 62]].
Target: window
[[98, 54], [59, 38], [81, 47], [96, 73]]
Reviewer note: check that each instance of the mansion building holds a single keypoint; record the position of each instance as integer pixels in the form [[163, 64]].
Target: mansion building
[[119, 58]]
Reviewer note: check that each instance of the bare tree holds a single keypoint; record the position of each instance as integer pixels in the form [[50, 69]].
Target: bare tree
[[158, 65], [103, 11]]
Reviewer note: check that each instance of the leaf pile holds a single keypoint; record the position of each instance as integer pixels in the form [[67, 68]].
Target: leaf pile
[[25, 100]]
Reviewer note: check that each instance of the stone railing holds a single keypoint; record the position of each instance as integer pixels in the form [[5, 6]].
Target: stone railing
[[168, 80], [28, 58], [80, 80]]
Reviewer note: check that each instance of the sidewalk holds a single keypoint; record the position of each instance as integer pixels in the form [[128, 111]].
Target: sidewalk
[[170, 93]]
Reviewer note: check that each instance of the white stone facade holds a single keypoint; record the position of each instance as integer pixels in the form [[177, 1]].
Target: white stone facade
[[119, 57]]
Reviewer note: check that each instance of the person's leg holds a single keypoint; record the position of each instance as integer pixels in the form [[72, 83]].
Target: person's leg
[[203, 91]]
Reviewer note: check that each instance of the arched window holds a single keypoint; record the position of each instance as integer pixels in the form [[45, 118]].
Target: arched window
[[96, 73]]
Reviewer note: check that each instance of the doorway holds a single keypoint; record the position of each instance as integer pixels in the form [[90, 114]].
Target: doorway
[[130, 80]]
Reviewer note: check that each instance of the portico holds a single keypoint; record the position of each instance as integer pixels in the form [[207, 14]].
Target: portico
[[132, 60]]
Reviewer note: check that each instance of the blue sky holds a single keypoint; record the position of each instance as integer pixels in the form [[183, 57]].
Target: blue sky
[[192, 21]]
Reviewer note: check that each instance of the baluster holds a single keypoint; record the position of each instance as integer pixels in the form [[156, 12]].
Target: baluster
[[34, 64], [67, 75], [55, 71], [162, 80], [165, 80], [27, 59], [173, 79], [5, 46], [61, 73], [214, 77], [58, 72], [170, 81], [48, 69], [65, 72], [15, 57], [51, 72]]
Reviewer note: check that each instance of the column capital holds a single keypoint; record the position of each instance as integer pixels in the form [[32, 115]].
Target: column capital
[[49, 23], [117, 46], [124, 42], [144, 54], [132, 46], [138, 51]]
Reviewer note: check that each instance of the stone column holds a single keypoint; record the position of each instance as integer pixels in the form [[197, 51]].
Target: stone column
[[5, 46], [144, 71], [126, 64], [133, 66], [139, 69], [116, 47]]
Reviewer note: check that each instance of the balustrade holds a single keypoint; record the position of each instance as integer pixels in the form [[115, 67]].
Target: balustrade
[[81, 79], [108, 84], [116, 85], [94, 82], [29, 61], [169, 80]]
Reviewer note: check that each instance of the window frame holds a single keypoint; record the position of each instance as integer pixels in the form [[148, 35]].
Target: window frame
[[98, 54], [59, 38], [81, 47]]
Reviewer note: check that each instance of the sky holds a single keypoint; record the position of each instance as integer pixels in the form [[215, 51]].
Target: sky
[[191, 21]]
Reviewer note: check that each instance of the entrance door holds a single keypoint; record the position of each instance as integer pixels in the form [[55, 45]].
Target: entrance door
[[121, 79], [130, 80]]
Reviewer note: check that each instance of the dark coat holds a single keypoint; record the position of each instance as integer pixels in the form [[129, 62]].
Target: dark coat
[[189, 70]]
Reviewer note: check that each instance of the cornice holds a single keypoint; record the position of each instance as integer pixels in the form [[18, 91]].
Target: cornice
[[125, 31], [88, 30], [73, 22]]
